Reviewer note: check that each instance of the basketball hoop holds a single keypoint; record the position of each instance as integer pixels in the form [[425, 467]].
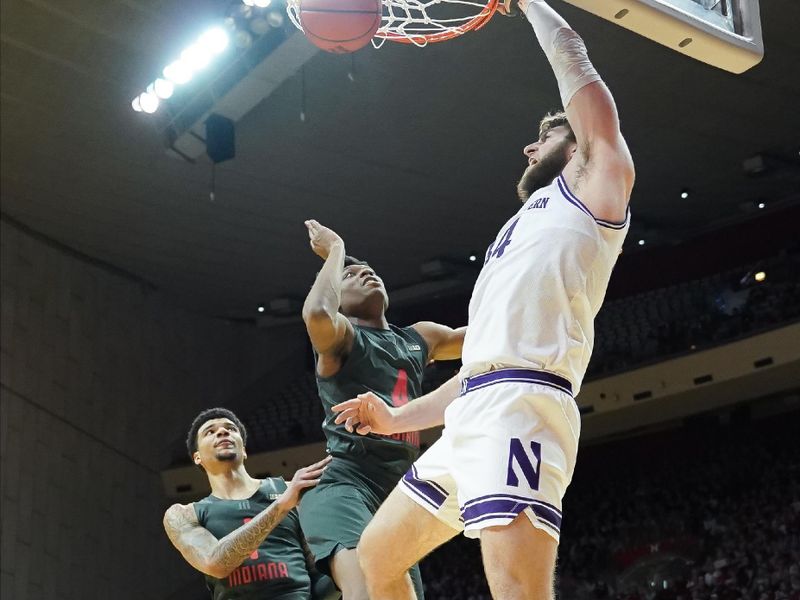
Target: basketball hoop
[[422, 22]]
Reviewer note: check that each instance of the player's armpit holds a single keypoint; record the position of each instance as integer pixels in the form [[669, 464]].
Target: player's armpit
[[195, 543], [444, 343]]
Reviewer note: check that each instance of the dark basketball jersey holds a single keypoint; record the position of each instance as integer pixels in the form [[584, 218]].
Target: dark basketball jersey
[[278, 568], [389, 363]]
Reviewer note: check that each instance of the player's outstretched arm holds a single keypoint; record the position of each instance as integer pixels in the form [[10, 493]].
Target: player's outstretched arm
[[590, 108], [327, 328], [219, 558], [367, 413], [444, 343]]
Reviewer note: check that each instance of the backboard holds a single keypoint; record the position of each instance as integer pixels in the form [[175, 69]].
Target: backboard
[[722, 33]]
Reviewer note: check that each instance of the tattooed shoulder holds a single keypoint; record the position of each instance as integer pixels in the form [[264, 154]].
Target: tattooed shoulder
[[179, 516]]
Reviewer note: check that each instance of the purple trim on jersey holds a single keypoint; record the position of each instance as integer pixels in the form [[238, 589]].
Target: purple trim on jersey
[[573, 199], [612, 224], [483, 380], [426, 490], [526, 499], [509, 508]]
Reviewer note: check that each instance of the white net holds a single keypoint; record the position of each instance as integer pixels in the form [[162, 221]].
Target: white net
[[422, 22]]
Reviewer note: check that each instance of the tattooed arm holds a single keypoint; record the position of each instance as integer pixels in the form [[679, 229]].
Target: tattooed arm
[[219, 558], [209, 555]]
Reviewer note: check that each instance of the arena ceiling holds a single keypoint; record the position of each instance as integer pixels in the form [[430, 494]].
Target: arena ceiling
[[415, 158]]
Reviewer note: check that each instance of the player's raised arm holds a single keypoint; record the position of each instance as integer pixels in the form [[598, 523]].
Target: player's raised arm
[[219, 558], [590, 108], [328, 329], [444, 343]]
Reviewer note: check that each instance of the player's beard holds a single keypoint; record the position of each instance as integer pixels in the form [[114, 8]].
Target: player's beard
[[227, 455], [543, 172]]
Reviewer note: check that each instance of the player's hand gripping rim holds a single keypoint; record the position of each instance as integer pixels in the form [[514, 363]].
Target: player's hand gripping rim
[[303, 479], [365, 414]]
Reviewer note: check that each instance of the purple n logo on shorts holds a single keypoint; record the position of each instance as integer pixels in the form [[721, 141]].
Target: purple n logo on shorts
[[517, 454]]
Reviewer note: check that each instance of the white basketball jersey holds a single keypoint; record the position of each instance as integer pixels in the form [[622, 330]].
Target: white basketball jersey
[[542, 283]]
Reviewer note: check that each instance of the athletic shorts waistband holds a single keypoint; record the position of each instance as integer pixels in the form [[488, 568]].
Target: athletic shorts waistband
[[545, 378]]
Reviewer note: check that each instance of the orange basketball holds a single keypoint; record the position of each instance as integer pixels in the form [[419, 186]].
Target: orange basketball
[[340, 26]]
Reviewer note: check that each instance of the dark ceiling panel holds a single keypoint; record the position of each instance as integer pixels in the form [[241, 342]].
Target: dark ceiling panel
[[416, 157]]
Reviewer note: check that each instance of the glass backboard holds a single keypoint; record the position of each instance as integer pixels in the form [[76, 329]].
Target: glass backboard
[[722, 33]]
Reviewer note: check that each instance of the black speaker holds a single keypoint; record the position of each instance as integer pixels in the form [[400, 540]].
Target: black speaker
[[220, 138]]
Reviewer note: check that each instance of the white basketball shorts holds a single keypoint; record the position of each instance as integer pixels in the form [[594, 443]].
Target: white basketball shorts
[[509, 446]]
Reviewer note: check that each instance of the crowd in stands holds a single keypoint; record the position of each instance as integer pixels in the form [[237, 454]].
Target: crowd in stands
[[696, 314], [699, 514]]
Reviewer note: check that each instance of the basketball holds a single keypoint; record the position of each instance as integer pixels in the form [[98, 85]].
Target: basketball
[[340, 26]]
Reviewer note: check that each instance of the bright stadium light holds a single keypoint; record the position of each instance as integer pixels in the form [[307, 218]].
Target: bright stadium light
[[275, 18], [242, 39], [148, 102], [215, 40], [162, 88], [178, 72], [262, 3], [249, 2], [137, 106], [259, 25], [196, 57]]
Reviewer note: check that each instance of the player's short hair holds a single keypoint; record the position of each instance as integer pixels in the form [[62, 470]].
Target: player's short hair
[[351, 260], [208, 415], [555, 119]]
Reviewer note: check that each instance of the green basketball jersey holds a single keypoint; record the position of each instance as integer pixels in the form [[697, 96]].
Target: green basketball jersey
[[278, 569], [389, 363]]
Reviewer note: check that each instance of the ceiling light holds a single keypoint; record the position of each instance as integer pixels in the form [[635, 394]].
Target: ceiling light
[[196, 57], [275, 18], [215, 40], [761, 205], [162, 88], [242, 39], [641, 242], [685, 194], [148, 102], [137, 106], [760, 276], [259, 25], [262, 3], [178, 72], [472, 258], [249, 2], [260, 309]]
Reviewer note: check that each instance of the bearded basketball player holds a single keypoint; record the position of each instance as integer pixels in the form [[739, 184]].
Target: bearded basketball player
[[508, 450]]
